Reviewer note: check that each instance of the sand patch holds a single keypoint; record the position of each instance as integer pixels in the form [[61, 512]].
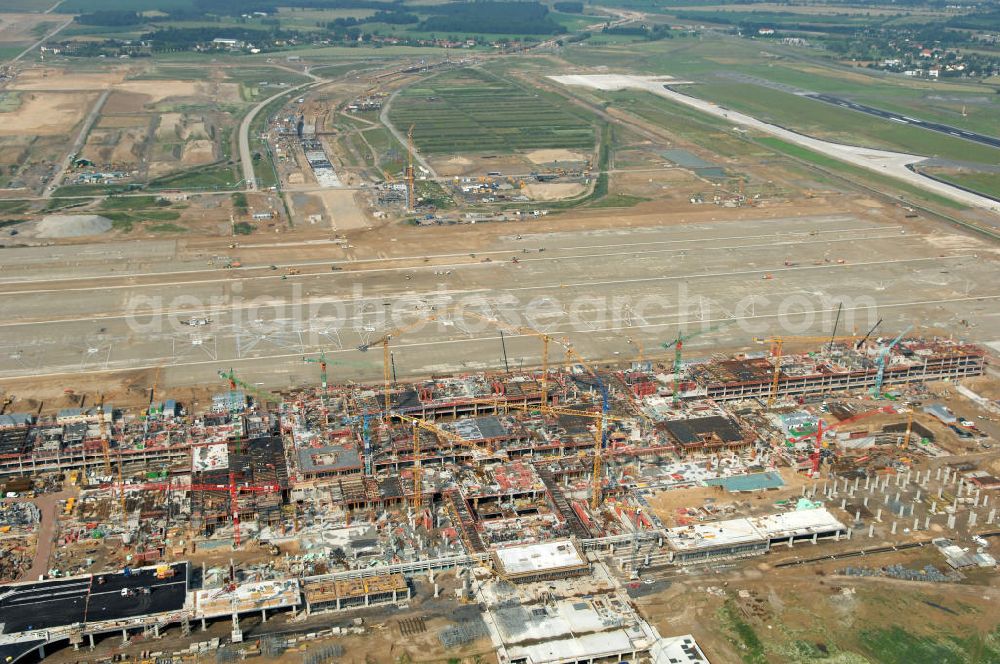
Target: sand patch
[[19, 28], [194, 131], [72, 225], [58, 79], [198, 152], [550, 191], [167, 130], [122, 121], [127, 148], [459, 161], [125, 102], [157, 91], [344, 212], [45, 114], [548, 156]]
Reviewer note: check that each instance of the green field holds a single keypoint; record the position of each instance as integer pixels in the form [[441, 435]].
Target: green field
[[823, 120], [987, 184], [470, 110], [856, 173], [719, 60]]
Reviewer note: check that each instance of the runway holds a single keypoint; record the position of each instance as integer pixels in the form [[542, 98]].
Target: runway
[[611, 294], [982, 139]]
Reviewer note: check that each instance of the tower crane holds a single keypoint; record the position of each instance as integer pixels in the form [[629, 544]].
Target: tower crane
[[521, 329], [232, 488], [777, 344], [678, 345], [815, 457], [883, 355], [600, 434], [418, 424], [323, 363], [386, 359], [411, 200], [235, 381]]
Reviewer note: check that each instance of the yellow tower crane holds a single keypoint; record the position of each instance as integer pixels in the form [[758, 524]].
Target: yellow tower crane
[[411, 201], [521, 329], [777, 346], [386, 359], [444, 434]]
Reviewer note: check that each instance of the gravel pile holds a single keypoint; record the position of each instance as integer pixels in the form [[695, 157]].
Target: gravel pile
[[72, 225]]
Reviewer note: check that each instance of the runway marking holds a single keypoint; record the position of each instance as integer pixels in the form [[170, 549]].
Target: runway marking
[[436, 267], [440, 342], [413, 258], [555, 286]]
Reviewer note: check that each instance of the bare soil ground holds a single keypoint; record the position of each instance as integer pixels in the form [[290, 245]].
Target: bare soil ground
[[550, 156], [46, 114]]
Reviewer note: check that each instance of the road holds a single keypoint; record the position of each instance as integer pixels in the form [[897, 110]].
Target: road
[[81, 138], [48, 506], [246, 158], [983, 139], [41, 41], [384, 118]]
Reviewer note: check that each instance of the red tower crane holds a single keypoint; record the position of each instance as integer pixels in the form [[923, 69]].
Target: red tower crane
[[821, 429], [232, 488]]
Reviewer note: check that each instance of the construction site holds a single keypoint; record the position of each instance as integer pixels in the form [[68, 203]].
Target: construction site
[[543, 504]]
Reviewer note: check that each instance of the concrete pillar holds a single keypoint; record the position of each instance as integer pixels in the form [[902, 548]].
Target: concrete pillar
[[868, 481], [815, 538], [850, 532], [951, 521], [893, 531], [933, 507], [991, 516], [865, 501], [916, 523], [940, 492], [937, 475], [972, 519], [41, 651], [878, 515], [898, 494], [124, 635], [916, 498], [857, 516], [92, 646], [263, 613], [436, 590], [156, 630], [947, 471], [927, 523], [871, 530], [857, 481], [791, 541], [843, 503], [986, 499], [204, 625], [902, 508]]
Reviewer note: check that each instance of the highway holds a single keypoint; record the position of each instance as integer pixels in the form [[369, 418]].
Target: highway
[[982, 139]]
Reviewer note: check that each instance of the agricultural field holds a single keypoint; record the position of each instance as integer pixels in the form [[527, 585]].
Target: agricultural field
[[473, 111]]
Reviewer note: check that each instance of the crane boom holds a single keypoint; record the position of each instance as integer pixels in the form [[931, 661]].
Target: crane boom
[[883, 355], [386, 358], [816, 456]]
